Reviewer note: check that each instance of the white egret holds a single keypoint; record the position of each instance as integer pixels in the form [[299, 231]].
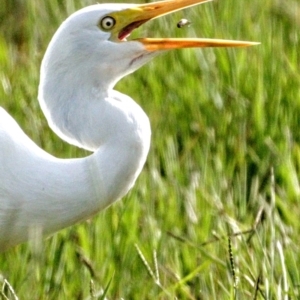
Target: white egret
[[88, 54]]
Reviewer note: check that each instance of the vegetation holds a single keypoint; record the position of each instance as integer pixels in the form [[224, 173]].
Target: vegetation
[[214, 214]]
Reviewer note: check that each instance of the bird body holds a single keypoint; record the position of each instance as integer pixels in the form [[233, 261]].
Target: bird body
[[86, 57]]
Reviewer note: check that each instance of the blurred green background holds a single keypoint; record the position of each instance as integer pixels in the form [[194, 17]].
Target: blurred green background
[[224, 161]]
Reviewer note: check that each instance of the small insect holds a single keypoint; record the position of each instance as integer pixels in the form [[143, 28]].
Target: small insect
[[183, 22]]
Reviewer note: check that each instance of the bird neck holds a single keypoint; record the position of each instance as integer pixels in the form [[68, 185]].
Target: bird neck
[[50, 193], [86, 113], [126, 133], [119, 131]]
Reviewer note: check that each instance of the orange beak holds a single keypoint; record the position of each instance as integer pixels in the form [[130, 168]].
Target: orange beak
[[129, 19]]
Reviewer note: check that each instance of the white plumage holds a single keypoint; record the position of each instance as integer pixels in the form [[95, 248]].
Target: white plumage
[[84, 60]]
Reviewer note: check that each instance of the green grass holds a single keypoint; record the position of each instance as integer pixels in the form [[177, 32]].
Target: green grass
[[224, 160]]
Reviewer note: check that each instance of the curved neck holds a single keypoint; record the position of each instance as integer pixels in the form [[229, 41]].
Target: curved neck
[[51, 193], [79, 188]]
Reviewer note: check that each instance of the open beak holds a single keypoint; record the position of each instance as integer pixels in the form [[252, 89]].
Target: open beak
[[129, 19]]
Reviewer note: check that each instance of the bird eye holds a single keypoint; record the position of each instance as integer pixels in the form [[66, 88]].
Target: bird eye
[[107, 23]]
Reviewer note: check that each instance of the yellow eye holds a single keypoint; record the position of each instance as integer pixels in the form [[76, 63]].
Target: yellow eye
[[107, 23]]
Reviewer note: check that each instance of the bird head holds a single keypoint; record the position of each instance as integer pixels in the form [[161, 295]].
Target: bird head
[[91, 51], [95, 38]]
